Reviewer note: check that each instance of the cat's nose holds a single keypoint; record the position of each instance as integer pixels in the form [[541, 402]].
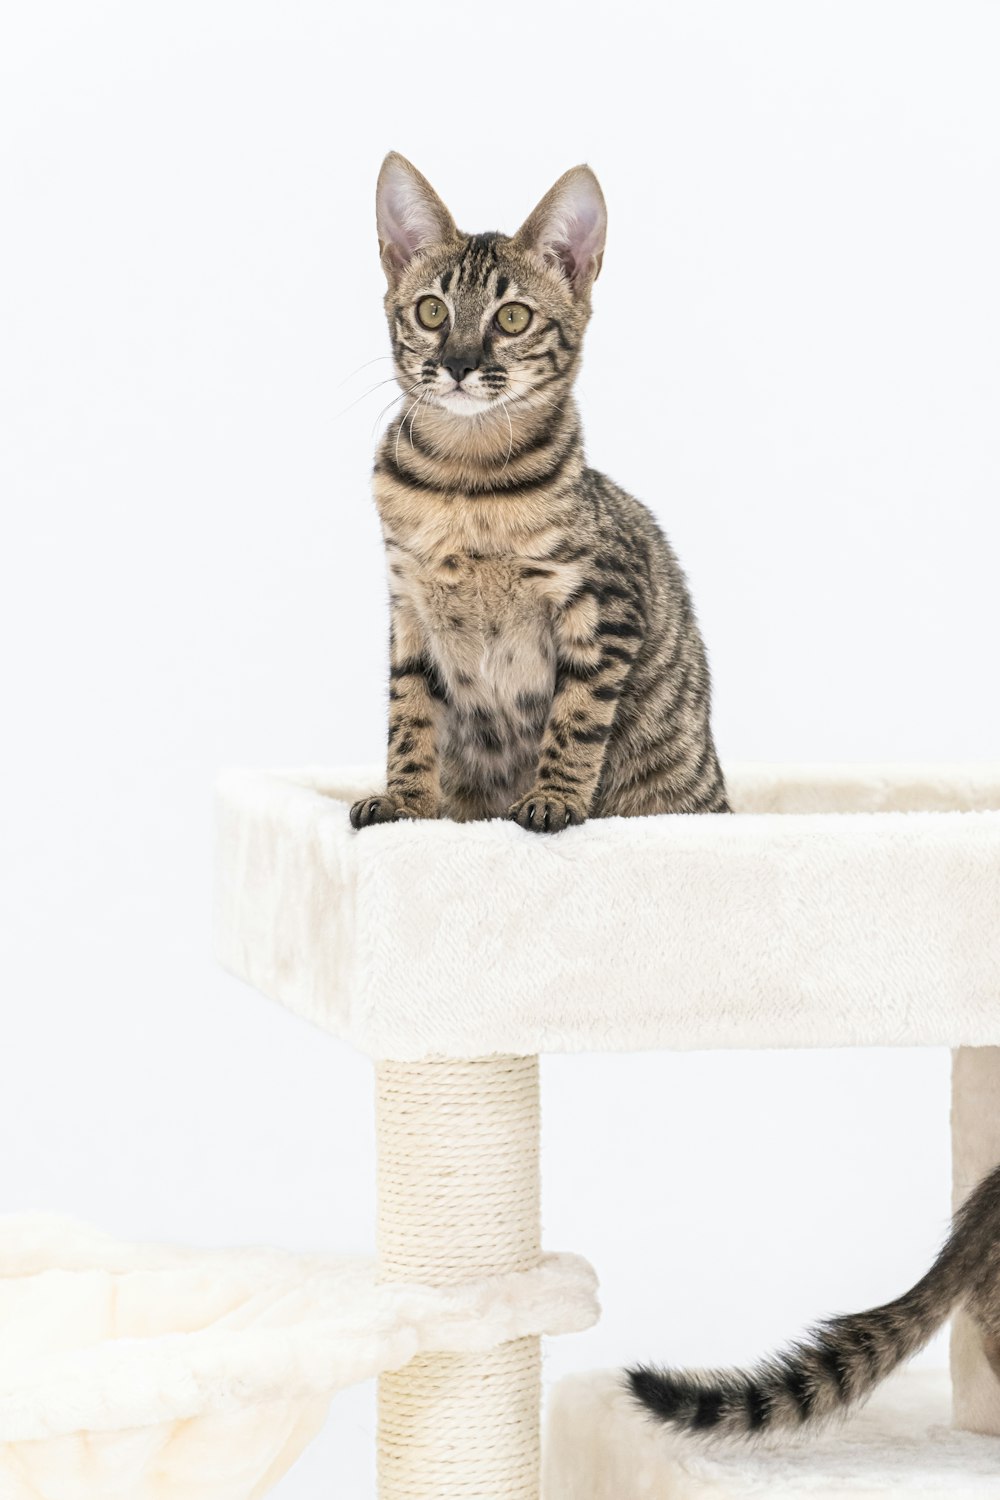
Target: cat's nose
[[461, 364]]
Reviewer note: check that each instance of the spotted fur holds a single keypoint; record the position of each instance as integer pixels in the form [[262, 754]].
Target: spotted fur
[[545, 660], [839, 1364]]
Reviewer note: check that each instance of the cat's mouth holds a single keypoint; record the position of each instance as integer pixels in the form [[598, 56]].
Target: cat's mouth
[[468, 403]]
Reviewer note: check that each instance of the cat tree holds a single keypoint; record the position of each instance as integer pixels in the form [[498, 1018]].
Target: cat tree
[[843, 907], [846, 907]]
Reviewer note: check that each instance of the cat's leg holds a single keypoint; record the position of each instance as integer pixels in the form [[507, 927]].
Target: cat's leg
[[667, 761], [595, 649], [413, 788], [656, 792]]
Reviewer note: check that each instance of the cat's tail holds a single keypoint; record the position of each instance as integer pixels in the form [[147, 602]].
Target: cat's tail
[[840, 1362]]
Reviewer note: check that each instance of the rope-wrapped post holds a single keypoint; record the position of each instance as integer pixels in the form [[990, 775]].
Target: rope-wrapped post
[[458, 1197], [975, 1136]]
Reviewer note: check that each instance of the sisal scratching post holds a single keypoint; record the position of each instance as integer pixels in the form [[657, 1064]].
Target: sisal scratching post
[[975, 1134], [458, 1197]]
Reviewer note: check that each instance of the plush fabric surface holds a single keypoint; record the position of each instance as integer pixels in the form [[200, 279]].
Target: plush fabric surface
[[843, 906], [150, 1372], [600, 1447]]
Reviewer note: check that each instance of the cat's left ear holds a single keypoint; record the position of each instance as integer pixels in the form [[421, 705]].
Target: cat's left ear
[[568, 227], [409, 213]]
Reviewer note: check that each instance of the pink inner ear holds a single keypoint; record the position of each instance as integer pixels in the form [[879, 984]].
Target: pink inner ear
[[586, 240], [573, 234], [406, 220]]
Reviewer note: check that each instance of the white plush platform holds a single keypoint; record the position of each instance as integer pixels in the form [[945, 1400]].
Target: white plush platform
[[132, 1372], [845, 906], [599, 1447]]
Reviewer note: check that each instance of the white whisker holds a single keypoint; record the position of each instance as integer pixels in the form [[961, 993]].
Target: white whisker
[[422, 397], [388, 407], [365, 366], [402, 423], [364, 394], [510, 427]]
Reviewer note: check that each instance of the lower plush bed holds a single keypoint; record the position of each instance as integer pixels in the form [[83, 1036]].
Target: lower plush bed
[[154, 1372]]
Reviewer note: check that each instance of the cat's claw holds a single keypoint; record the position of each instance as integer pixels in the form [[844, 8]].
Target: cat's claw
[[544, 812], [381, 809]]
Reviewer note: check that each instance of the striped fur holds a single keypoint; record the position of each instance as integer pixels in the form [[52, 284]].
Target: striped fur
[[839, 1363], [545, 660]]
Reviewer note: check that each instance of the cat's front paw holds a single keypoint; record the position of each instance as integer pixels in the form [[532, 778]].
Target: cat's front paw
[[546, 812], [382, 808]]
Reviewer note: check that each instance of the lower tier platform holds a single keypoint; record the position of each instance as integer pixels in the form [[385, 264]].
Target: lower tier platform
[[600, 1446]]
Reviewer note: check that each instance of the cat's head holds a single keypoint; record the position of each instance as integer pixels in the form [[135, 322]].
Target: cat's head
[[480, 320]]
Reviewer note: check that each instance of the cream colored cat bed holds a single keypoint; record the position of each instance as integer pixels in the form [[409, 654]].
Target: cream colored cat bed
[[844, 906], [145, 1372]]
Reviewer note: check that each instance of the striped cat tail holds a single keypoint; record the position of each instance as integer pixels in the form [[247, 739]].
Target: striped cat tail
[[840, 1362]]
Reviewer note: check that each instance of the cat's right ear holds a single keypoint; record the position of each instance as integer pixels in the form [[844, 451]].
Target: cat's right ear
[[409, 214]]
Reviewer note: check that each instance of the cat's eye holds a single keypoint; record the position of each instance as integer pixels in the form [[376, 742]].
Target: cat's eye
[[431, 312], [513, 317]]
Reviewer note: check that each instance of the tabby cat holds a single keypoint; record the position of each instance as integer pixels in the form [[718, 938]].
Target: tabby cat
[[842, 1361], [545, 660]]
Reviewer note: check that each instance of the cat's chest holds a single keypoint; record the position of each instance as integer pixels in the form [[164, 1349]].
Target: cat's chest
[[487, 622]]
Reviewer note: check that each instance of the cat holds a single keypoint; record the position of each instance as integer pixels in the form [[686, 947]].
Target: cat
[[545, 663], [840, 1362]]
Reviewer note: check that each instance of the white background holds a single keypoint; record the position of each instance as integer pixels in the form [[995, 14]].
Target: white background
[[794, 361]]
